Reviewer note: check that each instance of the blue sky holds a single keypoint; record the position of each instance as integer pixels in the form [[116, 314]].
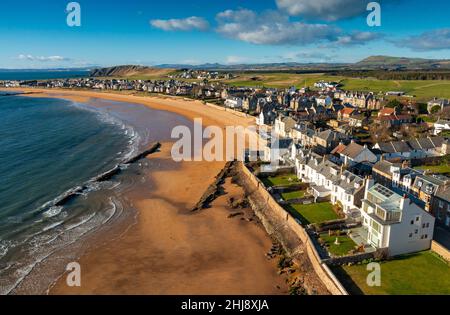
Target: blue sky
[[34, 34]]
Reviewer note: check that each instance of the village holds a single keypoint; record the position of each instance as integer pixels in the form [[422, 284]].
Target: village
[[364, 173]]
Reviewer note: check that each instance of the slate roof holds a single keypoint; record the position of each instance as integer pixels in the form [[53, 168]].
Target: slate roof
[[352, 150]]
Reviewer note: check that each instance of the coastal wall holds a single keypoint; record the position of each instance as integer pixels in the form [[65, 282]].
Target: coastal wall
[[440, 250], [323, 272]]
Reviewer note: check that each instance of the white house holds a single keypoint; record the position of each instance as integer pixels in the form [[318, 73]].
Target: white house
[[440, 126], [234, 102], [394, 222], [327, 179]]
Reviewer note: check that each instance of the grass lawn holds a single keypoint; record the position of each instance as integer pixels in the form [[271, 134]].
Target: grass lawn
[[282, 180], [436, 169], [423, 89], [313, 213], [293, 195], [346, 244], [420, 273]]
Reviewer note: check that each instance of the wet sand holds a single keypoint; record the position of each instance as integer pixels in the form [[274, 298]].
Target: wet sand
[[171, 250]]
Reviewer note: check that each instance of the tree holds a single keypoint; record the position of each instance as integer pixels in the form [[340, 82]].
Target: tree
[[394, 104], [435, 110]]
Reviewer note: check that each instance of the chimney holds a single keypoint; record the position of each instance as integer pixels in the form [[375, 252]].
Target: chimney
[[369, 182], [403, 202]]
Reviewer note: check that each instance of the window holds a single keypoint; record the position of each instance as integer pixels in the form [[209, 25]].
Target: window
[[412, 222], [423, 226], [428, 225], [410, 235], [416, 231], [426, 236], [417, 219]]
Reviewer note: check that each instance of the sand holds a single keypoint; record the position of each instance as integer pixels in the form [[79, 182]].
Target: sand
[[172, 250]]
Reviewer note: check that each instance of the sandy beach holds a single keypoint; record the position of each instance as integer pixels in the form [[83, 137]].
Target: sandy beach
[[171, 250]]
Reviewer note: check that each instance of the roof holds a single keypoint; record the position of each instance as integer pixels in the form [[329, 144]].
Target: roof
[[347, 111], [386, 111], [338, 150], [352, 150]]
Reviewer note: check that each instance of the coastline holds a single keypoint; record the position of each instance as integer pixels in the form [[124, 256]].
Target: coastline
[[169, 250]]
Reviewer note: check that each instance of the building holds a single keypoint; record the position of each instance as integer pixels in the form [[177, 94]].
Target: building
[[441, 207], [440, 126], [425, 187], [283, 125], [393, 222], [418, 148], [234, 102], [326, 141], [354, 153], [330, 181]]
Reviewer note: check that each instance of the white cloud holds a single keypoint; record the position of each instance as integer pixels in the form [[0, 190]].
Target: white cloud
[[187, 24], [328, 10], [235, 59], [271, 28], [41, 58], [433, 40], [358, 38]]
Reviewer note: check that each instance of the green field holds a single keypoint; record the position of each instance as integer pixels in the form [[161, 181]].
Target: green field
[[281, 180], [444, 168], [313, 213], [423, 90], [293, 195], [345, 246], [421, 273]]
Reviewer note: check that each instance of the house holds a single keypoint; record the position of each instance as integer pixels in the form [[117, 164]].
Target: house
[[345, 113], [425, 187], [354, 153], [441, 207], [394, 150], [440, 126], [284, 125], [303, 135], [267, 116], [437, 103], [426, 147], [394, 120], [234, 102], [276, 149], [395, 176], [417, 148], [326, 141], [358, 121], [329, 181], [391, 221]]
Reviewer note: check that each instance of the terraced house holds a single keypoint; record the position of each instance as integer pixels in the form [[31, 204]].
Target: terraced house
[[330, 181]]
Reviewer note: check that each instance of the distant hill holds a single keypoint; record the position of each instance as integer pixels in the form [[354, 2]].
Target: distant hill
[[383, 62], [370, 63], [130, 71]]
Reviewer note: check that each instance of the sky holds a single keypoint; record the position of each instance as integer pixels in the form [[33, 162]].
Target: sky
[[35, 34]]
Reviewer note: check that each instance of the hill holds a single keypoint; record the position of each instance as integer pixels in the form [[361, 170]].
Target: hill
[[130, 71], [383, 62]]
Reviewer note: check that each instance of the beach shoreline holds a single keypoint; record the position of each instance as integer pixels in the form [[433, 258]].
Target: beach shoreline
[[170, 250]]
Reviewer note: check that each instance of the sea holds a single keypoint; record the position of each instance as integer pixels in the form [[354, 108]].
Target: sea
[[41, 74], [51, 153]]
